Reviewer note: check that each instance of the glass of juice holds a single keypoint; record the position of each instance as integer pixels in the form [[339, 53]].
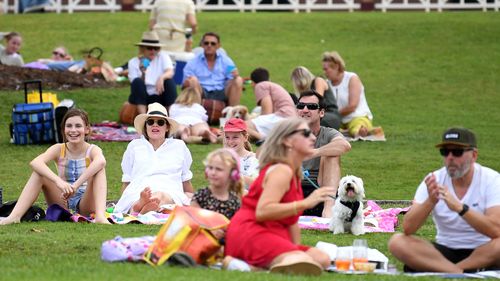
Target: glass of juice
[[359, 250], [343, 259]]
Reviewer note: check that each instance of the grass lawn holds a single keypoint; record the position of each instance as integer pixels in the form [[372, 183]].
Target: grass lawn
[[422, 73]]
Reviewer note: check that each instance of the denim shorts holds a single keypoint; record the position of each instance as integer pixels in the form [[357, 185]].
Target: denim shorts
[[74, 201]]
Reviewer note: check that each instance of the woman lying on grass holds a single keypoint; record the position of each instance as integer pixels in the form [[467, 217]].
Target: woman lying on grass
[[80, 184]]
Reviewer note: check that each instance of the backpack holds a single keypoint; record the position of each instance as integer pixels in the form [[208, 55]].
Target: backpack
[[34, 213]]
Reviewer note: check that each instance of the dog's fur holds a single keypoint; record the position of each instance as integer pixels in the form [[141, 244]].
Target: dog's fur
[[351, 192], [237, 111]]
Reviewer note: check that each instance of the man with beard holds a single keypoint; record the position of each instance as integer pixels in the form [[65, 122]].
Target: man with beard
[[464, 199]]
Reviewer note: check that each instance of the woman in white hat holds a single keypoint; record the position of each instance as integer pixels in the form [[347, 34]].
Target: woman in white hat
[[156, 167], [151, 74]]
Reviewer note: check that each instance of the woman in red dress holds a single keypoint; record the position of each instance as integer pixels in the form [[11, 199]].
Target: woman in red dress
[[264, 232]]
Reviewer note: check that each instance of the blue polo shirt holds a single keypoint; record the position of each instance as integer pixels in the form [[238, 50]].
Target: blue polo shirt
[[214, 79]]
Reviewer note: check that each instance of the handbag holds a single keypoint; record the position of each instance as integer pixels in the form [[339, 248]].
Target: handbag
[[188, 230], [93, 60]]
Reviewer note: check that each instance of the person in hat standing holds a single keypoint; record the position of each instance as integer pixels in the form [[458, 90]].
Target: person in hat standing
[[151, 75], [156, 167], [464, 200]]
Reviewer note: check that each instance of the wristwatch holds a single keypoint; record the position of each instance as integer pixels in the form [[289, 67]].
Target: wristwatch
[[465, 209]]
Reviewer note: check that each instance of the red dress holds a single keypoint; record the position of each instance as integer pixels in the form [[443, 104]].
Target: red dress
[[258, 243]]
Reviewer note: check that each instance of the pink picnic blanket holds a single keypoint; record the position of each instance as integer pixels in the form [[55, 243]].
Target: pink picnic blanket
[[112, 131], [376, 219]]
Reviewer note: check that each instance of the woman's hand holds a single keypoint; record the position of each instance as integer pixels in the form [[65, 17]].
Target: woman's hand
[[319, 195], [66, 189]]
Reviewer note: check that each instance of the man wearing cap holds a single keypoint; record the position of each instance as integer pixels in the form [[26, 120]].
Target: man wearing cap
[[464, 200], [213, 73], [150, 75], [323, 168]]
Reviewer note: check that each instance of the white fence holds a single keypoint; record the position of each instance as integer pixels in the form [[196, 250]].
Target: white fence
[[71, 6]]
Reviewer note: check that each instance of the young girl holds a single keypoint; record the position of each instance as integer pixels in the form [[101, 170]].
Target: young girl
[[224, 191], [9, 55], [236, 138], [80, 184], [192, 118]]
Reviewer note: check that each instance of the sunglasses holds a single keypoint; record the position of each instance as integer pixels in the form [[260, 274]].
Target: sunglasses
[[457, 152], [152, 48], [56, 53], [160, 122], [211, 43], [310, 106], [305, 132]]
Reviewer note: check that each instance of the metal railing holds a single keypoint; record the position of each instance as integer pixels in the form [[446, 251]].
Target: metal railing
[[70, 6]]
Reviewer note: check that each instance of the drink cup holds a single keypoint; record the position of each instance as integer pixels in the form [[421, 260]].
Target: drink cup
[[343, 259], [359, 250]]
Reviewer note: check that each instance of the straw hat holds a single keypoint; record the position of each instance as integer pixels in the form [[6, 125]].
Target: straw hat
[[150, 39], [155, 110]]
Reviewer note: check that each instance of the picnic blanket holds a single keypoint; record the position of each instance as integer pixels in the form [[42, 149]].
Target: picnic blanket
[[112, 131], [376, 219]]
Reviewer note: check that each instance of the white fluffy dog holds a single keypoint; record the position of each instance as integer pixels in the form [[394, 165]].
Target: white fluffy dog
[[347, 213]]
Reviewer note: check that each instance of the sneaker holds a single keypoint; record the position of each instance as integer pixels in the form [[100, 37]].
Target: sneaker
[[230, 263]]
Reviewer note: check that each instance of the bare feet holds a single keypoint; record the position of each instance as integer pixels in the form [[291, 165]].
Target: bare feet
[[152, 205], [143, 200], [101, 220], [8, 220], [209, 136]]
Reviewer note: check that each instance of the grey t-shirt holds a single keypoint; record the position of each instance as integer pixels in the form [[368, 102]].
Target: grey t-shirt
[[325, 136]]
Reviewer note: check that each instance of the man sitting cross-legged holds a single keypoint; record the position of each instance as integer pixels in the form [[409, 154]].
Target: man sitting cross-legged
[[464, 200], [324, 164]]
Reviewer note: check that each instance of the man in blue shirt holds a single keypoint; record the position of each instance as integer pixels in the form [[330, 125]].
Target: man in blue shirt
[[213, 73]]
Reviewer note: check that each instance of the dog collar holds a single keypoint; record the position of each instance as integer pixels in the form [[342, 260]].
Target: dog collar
[[354, 206]]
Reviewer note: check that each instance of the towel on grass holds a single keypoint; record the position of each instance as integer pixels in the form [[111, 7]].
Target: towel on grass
[[112, 131], [376, 219]]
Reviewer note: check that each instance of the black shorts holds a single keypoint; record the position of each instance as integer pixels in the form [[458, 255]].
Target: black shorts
[[307, 189], [453, 255], [215, 95]]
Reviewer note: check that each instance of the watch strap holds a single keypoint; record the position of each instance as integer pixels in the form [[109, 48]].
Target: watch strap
[[465, 208]]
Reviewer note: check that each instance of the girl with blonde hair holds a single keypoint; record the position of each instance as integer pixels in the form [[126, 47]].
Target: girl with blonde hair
[[225, 188], [192, 118]]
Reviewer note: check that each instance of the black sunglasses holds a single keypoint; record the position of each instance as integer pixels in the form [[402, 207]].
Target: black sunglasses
[[160, 122], [56, 53], [457, 152], [153, 48], [310, 106], [305, 132], [211, 43]]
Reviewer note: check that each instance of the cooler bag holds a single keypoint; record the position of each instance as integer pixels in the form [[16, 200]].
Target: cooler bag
[[33, 123]]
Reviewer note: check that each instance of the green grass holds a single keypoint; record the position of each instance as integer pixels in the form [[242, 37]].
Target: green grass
[[422, 73]]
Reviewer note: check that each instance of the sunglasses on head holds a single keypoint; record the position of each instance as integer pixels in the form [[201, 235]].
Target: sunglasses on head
[[457, 152], [305, 132], [211, 43], [310, 106], [160, 122], [56, 53]]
